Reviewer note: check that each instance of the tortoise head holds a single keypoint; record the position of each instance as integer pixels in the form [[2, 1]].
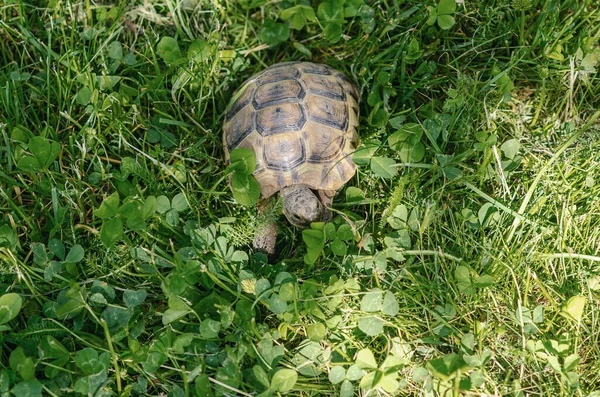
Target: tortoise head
[[301, 206]]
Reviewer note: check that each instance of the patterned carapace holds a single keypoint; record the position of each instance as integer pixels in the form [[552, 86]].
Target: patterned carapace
[[301, 121]]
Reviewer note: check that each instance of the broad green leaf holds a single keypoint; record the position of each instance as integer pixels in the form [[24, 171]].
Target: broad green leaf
[[109, 207], [107, 83], [452, 173], [446, 367], [337, 374], [346, 389], [574, 308], [413, 52], [262, 285], [134, 298], [22, 364], [472, 360], [163, 204], [538, 314], [313, 238], [338, 247], [366, 360], [410, 153], [261, 375], [172, 217], [57, 248], [345, 232], [383, 167], [371, 326], [277, 305], [209, 329], [332, 31], [287, 292], [446, 7], [445, 21], [273, 33], [383, 77], [245, 189], [483, 281], [171, 315], [83, 96], [330, 232], [149, 207], [461, 274], [176, 303], [29, 388], [571, 362], [284, 380], [153, 361], [52, 348], [168, 49], [392, 364], [70, 308], [329, 11], [8, 237], [131, 210], [390, 304], [477, 378], [270, 353], [44, 150], [115, 50], [316, 332], [432, 16], [116, 316], [10, 305], [179, 202], [87, 361], [243, 160], [485, 213], [111, 231], [75, 254], [355, 372], [29, 163], [399, 217], [378, 117], [199, 49], [406, 132], [97, 300], [364, 153], [468, 341], [202, 386], [510, 148], [376, 380], [354, 194], [420, 375], [371, 301], [554, 363], [298, 15]]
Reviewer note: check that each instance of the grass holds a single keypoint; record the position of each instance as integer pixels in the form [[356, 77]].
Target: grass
[[467, 268]]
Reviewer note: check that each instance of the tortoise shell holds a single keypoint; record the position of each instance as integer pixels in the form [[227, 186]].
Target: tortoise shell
[[301, 121]]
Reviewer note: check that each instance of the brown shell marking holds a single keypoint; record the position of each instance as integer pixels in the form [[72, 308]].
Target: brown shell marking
[[301, 120]]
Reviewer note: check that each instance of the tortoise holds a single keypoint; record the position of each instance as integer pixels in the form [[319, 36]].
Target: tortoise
[[301, 121]]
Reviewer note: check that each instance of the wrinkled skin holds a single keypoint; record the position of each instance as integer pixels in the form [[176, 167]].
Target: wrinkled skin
[[301, 206]]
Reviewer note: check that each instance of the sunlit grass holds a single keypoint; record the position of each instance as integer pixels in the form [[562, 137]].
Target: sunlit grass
[[473, 271]]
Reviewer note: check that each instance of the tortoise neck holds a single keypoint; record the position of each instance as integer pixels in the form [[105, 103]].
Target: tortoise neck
[[286, 191]]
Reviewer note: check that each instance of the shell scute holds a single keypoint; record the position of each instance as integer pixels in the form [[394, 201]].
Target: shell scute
[[284, 152], [285, 117], [278, 92]]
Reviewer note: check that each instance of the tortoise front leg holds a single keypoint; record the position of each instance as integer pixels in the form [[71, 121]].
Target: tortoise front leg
[[265, 235], [326, 197]]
